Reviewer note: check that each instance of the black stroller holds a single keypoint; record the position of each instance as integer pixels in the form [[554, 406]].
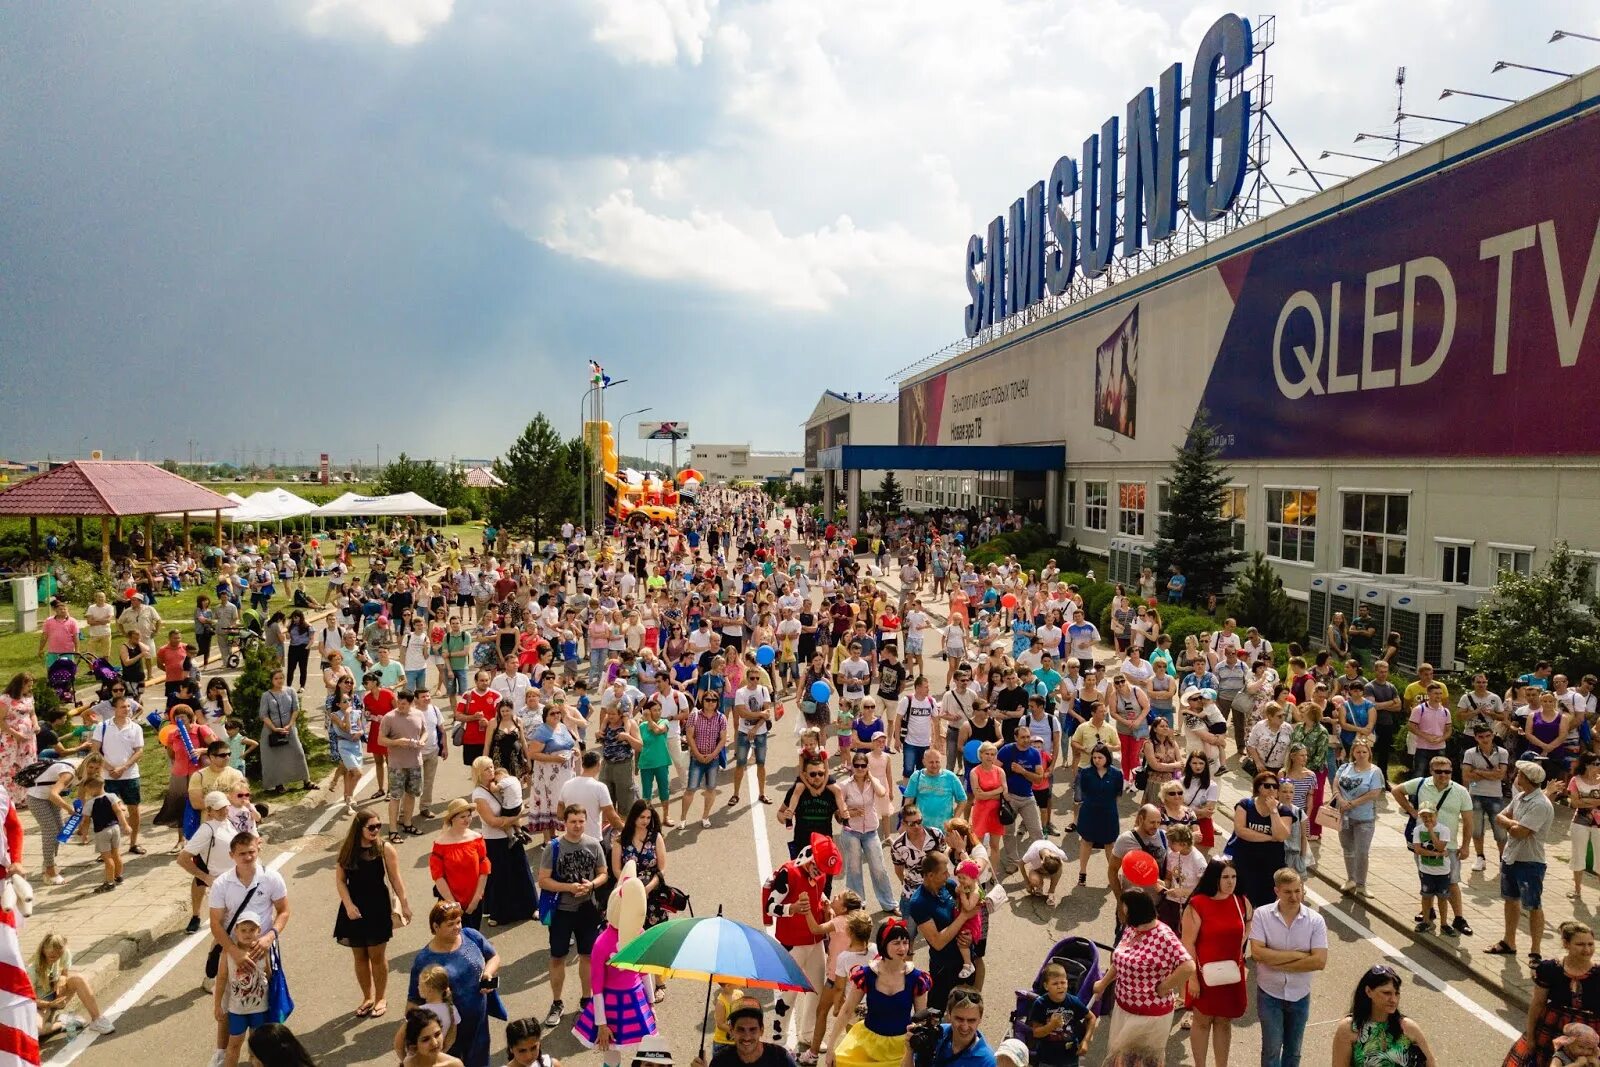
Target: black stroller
[[1081, 958], [63, 675]]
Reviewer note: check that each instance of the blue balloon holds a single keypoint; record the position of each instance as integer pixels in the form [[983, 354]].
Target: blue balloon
[[820, 691], [765, 655]]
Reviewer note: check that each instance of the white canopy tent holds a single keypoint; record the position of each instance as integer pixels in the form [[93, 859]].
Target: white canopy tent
[[271, 505], [171, 516], [352, 506]]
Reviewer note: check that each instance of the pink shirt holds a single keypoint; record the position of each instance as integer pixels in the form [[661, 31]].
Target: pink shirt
[[1432, 720], [60, 635]]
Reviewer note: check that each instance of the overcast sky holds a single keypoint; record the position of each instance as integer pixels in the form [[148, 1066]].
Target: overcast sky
[[329, 225]]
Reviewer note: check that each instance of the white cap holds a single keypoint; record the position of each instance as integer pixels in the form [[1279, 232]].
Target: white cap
[[1012, 1050]]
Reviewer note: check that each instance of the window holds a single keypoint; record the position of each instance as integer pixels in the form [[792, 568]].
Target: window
[[1374, 531], [1455, 562], [1515, 558], [1235, 501], [1069, 517], [1292, 525], [1130, 508], [1163, 505], [1094, 505]]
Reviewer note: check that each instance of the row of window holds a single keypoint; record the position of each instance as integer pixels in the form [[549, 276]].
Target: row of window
[[1374, 527]]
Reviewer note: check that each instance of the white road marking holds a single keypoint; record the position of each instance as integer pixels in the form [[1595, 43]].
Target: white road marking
[[758, 816], [1425, 976], [176, 955]]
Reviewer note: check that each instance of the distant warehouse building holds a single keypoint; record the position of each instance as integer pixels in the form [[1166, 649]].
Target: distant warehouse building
[[1405, 369], [733, 463]]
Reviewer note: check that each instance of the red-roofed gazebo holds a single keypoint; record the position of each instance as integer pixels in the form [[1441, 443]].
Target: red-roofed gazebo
[[111, 489]]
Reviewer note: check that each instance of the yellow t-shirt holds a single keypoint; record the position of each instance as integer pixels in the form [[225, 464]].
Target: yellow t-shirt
[[1416, 693], [1087, 735]]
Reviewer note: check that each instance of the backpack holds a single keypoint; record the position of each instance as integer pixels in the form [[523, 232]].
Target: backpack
[[29, 776]]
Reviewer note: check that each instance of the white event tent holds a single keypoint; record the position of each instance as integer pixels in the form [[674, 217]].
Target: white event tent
[[170, 516], [352, 506], [271, 505]]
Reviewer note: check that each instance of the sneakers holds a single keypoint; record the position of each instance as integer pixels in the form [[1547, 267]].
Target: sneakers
[[194, 925], [102, 1025], [552, 1019], [219, 1058], [1460, 926], [1448, 931], [55, 879], [1423, 926], [1480, 864]]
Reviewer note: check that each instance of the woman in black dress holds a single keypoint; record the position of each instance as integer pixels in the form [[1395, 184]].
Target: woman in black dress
[[365, 871], [1260, 827]]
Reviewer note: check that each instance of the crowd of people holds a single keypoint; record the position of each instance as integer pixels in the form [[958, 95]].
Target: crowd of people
[[578, 688]]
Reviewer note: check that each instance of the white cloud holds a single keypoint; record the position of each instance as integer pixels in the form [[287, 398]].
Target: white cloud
[[400, 22], [655, 32]]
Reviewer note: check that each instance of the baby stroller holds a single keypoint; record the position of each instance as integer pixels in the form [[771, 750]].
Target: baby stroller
[[63, 675], [241, 637], [1081, 958]]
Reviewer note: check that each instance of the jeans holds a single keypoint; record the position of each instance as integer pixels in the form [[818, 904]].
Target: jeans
[[597, 663], [1027, 820], [857, 843], [456, 683], [1484, 810], [1355, 839], [1283, 1024], [911, 758], [417, 681]]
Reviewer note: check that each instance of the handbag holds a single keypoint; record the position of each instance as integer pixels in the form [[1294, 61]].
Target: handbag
[[548, 898], [1329, 817], [458, 736], [1008, 814], [1226, 972]]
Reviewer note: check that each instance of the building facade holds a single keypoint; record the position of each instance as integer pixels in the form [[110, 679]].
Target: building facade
[[738, 462], [1404, 369]]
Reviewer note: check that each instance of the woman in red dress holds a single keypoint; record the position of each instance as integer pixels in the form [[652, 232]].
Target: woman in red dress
[[1215, 925], [988, 783]]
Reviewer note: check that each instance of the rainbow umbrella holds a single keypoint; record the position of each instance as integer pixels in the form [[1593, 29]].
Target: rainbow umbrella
[[713, 949]]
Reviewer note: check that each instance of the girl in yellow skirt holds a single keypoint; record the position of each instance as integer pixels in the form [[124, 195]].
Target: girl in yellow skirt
[[894, 991]]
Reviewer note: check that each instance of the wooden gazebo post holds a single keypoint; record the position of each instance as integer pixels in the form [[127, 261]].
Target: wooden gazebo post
[[105, 544], [33, 535], [186, 533], [149, 538]]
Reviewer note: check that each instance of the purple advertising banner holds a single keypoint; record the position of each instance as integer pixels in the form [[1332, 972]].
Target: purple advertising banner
[[1449, 318]]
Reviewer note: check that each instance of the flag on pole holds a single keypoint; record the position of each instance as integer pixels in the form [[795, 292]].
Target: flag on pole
[[19, 1017], [597, 375]]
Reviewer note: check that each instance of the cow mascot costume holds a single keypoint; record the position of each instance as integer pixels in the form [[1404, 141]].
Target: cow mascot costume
[[620, 1013], [795, 903]]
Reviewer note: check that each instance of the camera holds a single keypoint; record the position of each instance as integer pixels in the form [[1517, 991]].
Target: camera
[[923, 1036]]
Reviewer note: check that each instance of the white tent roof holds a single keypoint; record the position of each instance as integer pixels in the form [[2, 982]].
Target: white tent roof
[[172, 515], [350, 505], [270, 505]]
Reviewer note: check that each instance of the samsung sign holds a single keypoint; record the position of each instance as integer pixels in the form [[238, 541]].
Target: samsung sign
[[1011, 269]]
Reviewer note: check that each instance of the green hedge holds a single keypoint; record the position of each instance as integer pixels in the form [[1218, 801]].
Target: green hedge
[[1016, 543]]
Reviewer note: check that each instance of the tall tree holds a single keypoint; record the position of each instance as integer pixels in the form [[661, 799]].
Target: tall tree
[[1195, 537], [1259, 600], [1547, 615], [439, 485], [542, 475], [890, 494]]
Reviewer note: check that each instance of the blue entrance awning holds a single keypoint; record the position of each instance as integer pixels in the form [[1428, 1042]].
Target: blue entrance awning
[[942, 458]]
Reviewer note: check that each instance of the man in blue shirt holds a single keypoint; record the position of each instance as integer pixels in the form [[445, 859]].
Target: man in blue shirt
[[960, 1043], [934, 909], [1023, 764], [1199, 677], [1175, 587]]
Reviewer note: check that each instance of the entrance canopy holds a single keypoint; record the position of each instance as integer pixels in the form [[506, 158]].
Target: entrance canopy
[[352, 506], [943, 458]]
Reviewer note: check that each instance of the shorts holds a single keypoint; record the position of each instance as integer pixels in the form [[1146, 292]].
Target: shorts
[[108, 840], [347, 752], [404, 780], [1484, 810], [702, 775], [1523, 882], [238, 1024], [744, 743], [653, 782], [1435, 885], [125, 790], [581, 925], [914, 645]]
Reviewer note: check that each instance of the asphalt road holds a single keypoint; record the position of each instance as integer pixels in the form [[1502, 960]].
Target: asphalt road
[[164, 1013]]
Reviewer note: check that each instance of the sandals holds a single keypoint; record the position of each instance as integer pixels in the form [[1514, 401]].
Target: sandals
[[764, 799], [411, 829], [1500, 948], [364, 1010], [733, 801], [379, 1009], [395, 837]]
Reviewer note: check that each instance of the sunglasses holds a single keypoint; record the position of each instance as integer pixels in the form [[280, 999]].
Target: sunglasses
[[372, 827]]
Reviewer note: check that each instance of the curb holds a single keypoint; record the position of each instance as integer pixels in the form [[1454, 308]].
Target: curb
[[103, 964]]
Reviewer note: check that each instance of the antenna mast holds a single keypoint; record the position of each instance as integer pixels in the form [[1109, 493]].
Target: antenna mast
[[1399, 107]]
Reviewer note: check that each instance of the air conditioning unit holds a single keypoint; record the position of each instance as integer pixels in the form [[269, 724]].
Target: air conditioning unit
[[1468, 599], [1317, 610], [1426, 622], [1375, 595], [1127, 560]]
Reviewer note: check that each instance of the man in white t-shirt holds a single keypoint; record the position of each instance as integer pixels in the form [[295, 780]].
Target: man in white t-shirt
[[120, 742], [587, 791], [205, 855], [1082, 636], [916, 624], [1043, 854], [752, 718], [854, 674], [246, 887]]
